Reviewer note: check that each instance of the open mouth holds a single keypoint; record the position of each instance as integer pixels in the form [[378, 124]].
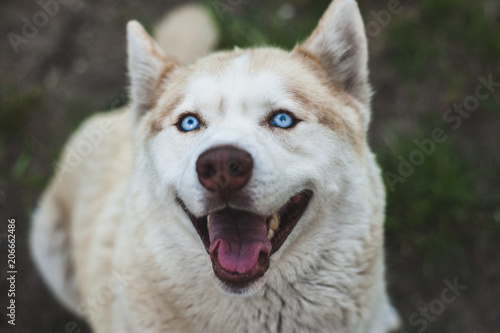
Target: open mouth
[[240, 242]]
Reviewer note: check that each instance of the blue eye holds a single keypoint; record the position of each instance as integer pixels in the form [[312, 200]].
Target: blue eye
[[283, 120], [189, 123]]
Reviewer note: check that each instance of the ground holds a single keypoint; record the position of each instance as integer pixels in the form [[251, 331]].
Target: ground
[[440, 164]]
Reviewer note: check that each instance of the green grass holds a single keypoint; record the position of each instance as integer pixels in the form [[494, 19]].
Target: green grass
[[17, 108], [439, 223], [17, 148], [264, 24], [437, 209], [444, 36]]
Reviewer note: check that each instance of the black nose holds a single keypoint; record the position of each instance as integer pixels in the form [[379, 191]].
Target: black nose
[[225, 169]]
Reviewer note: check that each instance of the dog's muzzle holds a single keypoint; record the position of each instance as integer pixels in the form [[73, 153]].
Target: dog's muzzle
[[240, 241]]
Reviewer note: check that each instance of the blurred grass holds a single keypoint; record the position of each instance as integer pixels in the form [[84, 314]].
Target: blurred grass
[[281, 24], [17, 109], [443, 36], [438, 208]]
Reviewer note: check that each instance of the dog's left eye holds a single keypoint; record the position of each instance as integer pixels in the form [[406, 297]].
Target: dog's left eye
[[189, 123], [283, 120]]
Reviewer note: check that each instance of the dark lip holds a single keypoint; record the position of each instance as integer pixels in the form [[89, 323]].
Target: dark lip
[[290, 214]]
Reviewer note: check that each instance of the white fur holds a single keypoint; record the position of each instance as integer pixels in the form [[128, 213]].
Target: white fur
[[123, 217]]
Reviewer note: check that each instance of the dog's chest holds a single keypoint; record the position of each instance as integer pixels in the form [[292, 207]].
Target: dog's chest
[[287, 310]]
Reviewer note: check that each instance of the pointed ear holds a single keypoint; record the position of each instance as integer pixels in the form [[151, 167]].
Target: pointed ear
[[147, 66], [339, 43]]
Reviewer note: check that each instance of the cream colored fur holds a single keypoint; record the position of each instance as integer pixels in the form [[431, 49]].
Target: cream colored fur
[[114, 245], [187, 32]]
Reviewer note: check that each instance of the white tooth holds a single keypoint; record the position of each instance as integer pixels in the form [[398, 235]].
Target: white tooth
[[270, 234], [275, 222], [208, 221]]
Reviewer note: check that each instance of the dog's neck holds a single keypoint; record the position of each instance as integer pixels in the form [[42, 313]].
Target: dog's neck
[[325, 297]]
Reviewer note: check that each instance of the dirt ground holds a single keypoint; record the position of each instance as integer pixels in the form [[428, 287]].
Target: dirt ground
[[75, 64]]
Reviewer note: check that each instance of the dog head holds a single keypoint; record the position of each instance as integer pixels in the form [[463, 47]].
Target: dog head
[[261, 149]]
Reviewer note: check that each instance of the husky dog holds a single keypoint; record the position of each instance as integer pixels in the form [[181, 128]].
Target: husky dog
[[236, 193]]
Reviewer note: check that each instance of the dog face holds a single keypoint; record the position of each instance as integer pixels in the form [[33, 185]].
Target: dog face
[[259, 149]]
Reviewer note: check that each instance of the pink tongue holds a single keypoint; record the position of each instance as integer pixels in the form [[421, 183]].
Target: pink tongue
[[238, 237]]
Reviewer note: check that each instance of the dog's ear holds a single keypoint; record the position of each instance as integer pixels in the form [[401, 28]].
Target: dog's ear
[[339, 43], [147, 66]]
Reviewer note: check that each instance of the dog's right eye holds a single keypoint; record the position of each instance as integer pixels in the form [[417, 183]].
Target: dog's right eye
[[188, 123], [282, 119]]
